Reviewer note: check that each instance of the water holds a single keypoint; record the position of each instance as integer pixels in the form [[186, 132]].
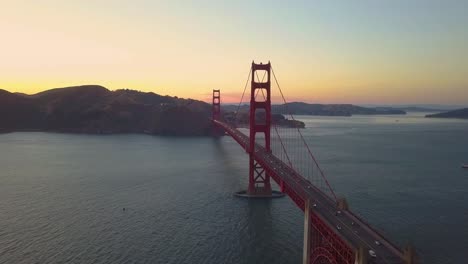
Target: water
[[62, 196]]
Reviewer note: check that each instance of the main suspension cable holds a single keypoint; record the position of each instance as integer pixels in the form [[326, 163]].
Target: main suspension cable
[[243, 93], [302, 137]]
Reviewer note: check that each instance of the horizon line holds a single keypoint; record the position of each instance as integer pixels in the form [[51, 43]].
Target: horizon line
[[246, 103]]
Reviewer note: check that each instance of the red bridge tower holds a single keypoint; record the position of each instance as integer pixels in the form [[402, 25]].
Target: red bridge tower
[[216, 105], [260, 122]]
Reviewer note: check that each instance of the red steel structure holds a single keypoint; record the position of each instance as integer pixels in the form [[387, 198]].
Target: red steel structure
[[216, 106], [216, 111], [332, 233], [259, 122]]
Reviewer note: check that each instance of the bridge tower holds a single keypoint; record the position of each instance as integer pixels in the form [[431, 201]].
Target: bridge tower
[[260, 122], [216, 112], [216, 104]]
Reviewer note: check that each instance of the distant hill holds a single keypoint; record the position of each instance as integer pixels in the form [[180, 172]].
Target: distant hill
[[419, 109], [299, 108], [459, 113], [95, 109], [332, 109]]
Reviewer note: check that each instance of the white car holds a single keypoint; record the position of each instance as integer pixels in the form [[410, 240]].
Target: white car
[[339, 227], [372, 253], [377, 243], [314, 205]]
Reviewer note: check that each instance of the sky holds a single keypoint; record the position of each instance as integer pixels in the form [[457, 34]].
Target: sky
[[362, 52]]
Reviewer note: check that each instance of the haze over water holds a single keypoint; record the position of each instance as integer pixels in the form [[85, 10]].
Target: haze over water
[[62, 195]]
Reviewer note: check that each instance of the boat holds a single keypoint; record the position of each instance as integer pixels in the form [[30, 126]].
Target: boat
[[465, 166]]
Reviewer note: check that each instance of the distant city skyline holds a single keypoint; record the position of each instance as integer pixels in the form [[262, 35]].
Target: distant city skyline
[[360, 52]]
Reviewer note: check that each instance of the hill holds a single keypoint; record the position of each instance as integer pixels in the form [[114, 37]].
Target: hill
[[299, 108], [419, 109], [95, 109], [459, 113]]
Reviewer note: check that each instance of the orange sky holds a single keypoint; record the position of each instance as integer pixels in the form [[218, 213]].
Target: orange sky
[[329, 52]]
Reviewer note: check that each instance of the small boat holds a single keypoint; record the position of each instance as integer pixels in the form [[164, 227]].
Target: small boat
[[465, 166]]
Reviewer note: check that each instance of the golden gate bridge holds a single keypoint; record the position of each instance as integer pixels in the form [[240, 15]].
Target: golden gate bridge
[[332, 232]]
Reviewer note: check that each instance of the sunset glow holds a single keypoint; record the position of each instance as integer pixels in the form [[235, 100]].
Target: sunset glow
[[382, 52]]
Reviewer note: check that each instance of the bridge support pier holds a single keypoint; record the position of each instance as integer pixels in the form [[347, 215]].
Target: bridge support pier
[[259, 180]]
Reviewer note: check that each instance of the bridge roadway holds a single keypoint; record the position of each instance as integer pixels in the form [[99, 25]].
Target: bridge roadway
[[354, 231]]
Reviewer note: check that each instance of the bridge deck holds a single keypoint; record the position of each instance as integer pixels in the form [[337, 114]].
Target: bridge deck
[[354, 231]]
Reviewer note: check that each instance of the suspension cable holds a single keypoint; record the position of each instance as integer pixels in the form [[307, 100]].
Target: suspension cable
[[302, 138], [243, 93]]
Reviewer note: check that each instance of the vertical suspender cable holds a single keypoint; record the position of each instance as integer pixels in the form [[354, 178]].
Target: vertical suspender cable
[[303, 140]]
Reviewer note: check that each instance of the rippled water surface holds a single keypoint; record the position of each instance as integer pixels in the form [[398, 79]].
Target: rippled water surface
[[62, 196]]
